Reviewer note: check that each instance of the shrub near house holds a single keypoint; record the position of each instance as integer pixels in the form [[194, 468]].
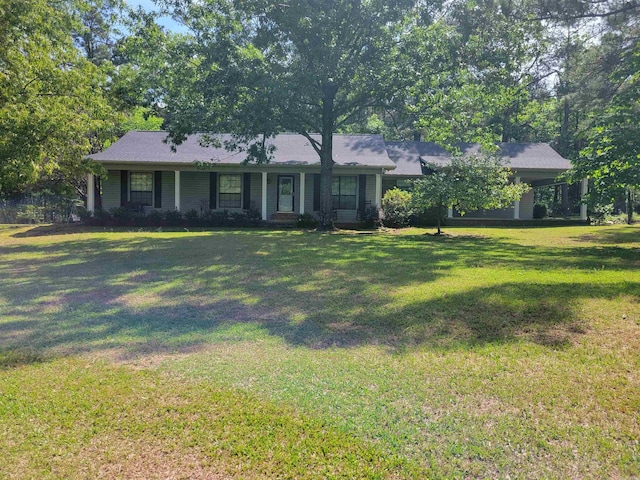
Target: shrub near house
[[120, 217], [397, 208]]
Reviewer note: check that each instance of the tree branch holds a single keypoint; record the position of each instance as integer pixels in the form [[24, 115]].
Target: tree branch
[[317, 146], [629, 6]]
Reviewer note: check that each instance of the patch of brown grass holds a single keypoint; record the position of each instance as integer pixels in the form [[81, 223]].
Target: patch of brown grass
[[111, 458]]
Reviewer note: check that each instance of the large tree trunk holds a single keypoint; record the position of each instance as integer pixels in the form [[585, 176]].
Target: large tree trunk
[[629, 206], [326, 183], [329, 91]]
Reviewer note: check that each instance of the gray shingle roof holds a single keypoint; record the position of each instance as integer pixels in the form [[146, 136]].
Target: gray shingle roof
[[291, 149], [401, 158], [408, 156]]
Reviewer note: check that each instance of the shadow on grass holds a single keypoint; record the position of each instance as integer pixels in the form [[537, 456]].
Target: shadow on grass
[[152, 294], [49, 229], [17, 357], [77, 228], [617, 236]]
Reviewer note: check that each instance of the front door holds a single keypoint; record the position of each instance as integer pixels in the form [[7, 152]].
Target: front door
[[285, 194]]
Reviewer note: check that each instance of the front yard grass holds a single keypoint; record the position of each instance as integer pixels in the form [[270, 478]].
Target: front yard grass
[[488, 352]]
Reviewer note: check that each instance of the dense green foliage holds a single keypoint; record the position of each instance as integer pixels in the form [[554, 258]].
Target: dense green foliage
[[597, 102], [134, 216], [52, 111], [256, 69], [612, 155], [61, 96], [75, 74], [397, 208], [141, 118], [470, 182]]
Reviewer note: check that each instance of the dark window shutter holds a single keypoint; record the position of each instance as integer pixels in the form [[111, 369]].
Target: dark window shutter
[[124, 187], [362, 191], [316, 192], [157, 181], [246, 191], [98, 193], [213, 190]]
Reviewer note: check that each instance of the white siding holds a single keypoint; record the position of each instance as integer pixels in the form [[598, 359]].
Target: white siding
[[111, 190], [308, 194], [502, 213], [526, 210], [296, 193], [272, 194], [526, 206], [194, 189], [168, 191], [387, 184], [256, 191], [370, 193], [346, 216]]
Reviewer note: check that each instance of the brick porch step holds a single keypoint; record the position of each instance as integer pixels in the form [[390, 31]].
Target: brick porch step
[[284, 217]]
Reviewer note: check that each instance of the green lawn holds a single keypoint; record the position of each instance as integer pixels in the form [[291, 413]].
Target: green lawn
[[259, 354]]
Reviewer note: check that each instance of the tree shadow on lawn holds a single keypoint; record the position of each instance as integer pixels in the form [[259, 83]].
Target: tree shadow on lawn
[[152, 295], [545, 314], [618, 236], [50, 229]]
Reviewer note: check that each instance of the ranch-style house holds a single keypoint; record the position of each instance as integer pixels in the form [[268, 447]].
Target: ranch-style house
[[143, 169]]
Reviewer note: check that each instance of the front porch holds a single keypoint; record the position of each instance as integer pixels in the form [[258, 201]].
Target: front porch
[[520, 210], [277, 195]]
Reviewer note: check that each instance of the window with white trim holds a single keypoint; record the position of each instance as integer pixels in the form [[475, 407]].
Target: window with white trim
[[141, 188], [345, 191], [230, 193]]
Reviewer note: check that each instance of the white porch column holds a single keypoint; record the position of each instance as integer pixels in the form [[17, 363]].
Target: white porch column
[[91, 193], [177, 189], [516, 204], [264, 195], [378, 200], [450, 212], [583, 195], [302, 181]]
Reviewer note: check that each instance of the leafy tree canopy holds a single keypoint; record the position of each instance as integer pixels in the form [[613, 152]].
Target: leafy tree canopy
[[97, 30], [141, 118], [612, 155], [52, 110], [469, 182], [255, 68]]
